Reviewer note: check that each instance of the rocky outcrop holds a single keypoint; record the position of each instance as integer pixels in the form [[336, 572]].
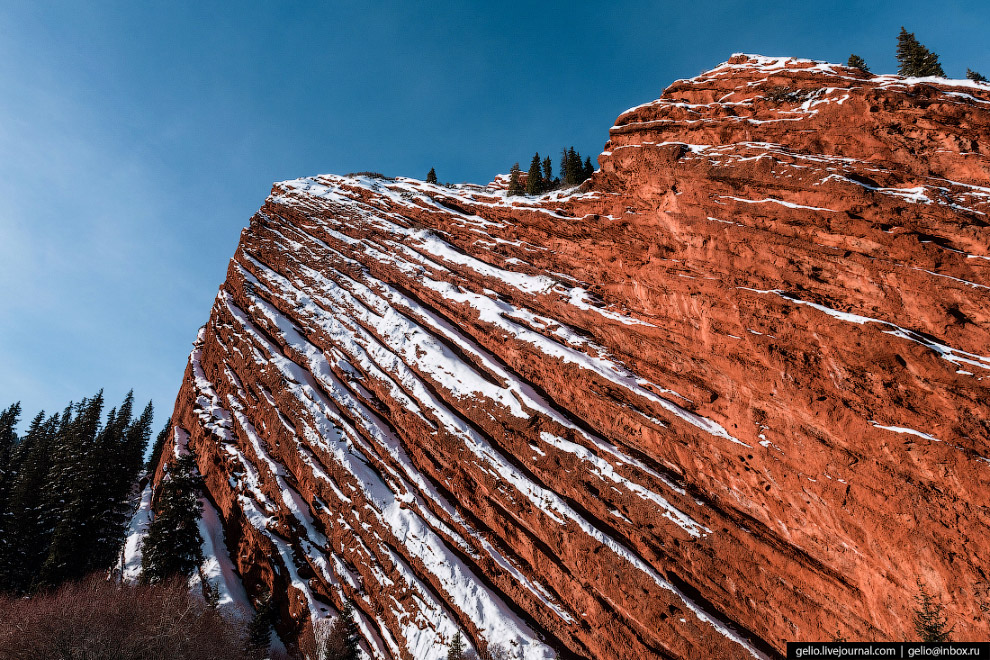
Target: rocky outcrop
[[731, 392]]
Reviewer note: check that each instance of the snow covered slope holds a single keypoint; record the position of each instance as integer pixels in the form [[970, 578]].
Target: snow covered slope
[[731, 392]]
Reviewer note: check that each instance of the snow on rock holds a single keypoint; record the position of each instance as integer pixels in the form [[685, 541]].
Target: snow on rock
[[137, 529]]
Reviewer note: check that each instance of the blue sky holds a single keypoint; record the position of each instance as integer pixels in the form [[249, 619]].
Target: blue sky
[[136, 139]]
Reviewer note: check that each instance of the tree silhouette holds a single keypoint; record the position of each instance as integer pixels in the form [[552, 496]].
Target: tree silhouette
[[857, 62], [915, 60]]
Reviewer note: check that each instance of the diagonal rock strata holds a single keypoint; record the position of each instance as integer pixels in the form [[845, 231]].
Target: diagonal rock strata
[[730, 392]]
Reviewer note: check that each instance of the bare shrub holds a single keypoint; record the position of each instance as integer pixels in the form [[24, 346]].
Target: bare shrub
[[99, 620], [498, 652], [372, 175], [785, 94]]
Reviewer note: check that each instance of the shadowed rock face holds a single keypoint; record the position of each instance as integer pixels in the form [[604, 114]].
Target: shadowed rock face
[[731, 392]]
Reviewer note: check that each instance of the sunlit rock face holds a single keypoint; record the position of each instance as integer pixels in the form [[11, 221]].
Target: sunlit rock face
[[732, 391]]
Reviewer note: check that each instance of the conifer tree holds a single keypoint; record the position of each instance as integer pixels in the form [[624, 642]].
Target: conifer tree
[[8, 436], [431, 176], [156, 450], [211, 591], [907, 49], [589, 169], [916, 61], [72, 481], [8, 473], [343, 639], [21, 556], [515, 188], [173, 545], [974, 76], [548, 181], [857, 62], [260, 629], [456, 650], [534, 178], [929, 617], [573, 167], [120, 450], [95, 469]]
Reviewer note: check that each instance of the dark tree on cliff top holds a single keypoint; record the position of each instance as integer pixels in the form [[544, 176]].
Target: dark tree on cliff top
[[534, 178], [431, 176], [515, 188], [857, 62], [571, 169], [974, 76], [549, 183], [173, 545], [915, 60]]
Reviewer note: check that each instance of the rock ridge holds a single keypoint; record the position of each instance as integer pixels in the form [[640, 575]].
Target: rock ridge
[[730, 392]]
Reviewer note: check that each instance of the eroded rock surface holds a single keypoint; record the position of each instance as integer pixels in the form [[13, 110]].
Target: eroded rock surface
[[733, 391]]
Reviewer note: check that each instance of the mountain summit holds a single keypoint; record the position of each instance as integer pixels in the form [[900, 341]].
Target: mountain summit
[[731, 391]]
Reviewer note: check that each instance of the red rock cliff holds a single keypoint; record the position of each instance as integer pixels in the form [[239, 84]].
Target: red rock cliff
[[731, 392]]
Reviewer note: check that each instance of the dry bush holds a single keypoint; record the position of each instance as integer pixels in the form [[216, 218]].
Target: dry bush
[[785, 94], [98, 620], [498, 652]]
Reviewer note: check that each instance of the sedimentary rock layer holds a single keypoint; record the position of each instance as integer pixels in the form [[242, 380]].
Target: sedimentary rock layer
[[730, 392]]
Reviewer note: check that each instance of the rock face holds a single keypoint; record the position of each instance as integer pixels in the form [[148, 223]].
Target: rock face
[[733, 391]]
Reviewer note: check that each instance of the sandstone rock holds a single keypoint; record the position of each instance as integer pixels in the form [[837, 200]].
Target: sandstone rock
[[731, 392]]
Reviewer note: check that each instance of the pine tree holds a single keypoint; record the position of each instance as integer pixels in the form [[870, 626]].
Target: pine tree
[[72, 482], [158, 447], [589, 169], [857, 62], [916, 61], [431, 176], [534, 178], [549, 183], [93, 478], [974, 76], [8, 474], [68, 493], [27, 540], [343, 640], [573, 167], [211, 591], [907, 50], [456, 650], [260, 629], [929, 617], [120, 450], [8, 436], [515, 188], [173, 545]]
